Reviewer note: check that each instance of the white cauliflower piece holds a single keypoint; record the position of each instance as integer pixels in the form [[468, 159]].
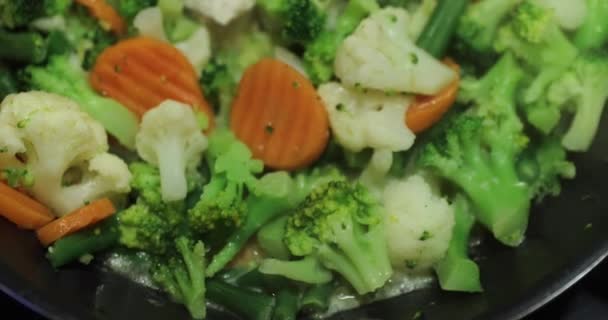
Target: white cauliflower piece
[[197, 48], [53, 136], [569, 14], [221, 12], [370, 119], [171, 138], [380, 55], [418, 223], [149, 22]]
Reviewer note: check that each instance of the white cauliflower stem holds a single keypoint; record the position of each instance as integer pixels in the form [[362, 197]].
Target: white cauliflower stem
[[52, 135], [170, 138], [418, 223], [380, 55], [369, 119]]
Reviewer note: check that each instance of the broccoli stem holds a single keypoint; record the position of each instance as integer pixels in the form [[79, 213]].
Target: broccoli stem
[[287, 305], [456, 272], [586, 120], [171, 164], [270, 239], [316, 299], [245, 303], [260, 211], [25, 47], [438, 32], [593, 34], [307, 270], [89, 241]]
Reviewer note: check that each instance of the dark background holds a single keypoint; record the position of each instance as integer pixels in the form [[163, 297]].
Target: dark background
[[586, 300]]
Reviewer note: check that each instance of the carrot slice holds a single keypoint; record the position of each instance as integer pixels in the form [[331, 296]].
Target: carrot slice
[[279, 115], [105, 13], [22, 210], [142, 72], [77, 220], [428, 110]]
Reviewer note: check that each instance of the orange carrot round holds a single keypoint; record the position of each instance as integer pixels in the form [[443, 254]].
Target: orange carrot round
[[279, 115], [75, 221], [105, 13], [23, 210], [428, 110], [142, 72]]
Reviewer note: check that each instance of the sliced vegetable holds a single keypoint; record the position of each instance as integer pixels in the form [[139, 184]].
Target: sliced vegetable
[[428, 110], [106, 14], [26, 47], [246, 303], [438, 32], [23, 210], [75, 221], [142, 72], [278, 114]]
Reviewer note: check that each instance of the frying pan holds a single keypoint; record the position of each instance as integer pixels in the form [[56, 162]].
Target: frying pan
[[567, 237]]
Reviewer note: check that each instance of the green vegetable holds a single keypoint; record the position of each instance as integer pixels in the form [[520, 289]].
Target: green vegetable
[[287, 305], [182, 276], [478, 152], [456, 271], [25, 47], [89, 241], [9, 82], [297, 21], [142, 228], [128, 9], [320, 53], [438, 32], [478, 26], [593, 34], [270, 238], [316, 298], [307, 270], [341, 225], [19, 13], [65, 77], [245, 303]]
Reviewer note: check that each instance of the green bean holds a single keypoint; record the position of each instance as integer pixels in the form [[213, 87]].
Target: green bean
[[245, 303], [26, 47], [316, 298], [438, 32], [287, 305]]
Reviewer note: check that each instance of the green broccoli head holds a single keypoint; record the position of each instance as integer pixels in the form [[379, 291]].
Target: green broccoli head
[[478, 152], [477, 28], [19, 13], [299, 21], [341, 224], [182, 275], [320, 53], [144, 229], [128, 9]]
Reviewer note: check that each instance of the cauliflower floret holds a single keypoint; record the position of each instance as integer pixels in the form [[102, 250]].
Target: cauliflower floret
[[221, 12], [418, 223], [149, 22], [197, 48], [369, 119], [569, 14], [170, 137], [380, 55], [53, 135]]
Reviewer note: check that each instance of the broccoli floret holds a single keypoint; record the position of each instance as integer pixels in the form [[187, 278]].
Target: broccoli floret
[[143, 229], [182, 275], [479, 150], [222, 74], [341, 225], [128, 9], [299, 21], [534, 36], [63, 76], [593, 34], [19, 13], [477, 28], [320, 52]]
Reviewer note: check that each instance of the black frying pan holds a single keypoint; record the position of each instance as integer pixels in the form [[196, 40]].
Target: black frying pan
[[567, 237]]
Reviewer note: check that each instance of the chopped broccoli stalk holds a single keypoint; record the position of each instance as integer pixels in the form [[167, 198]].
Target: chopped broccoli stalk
[[320, 53], [245, 303], [25, 47], [316, 298], [287, 305], [479, 152], [593, 34], [92, 240], [341, 225], [456, 271], [183, 276], [307, 270], [65, 77], [270, 238], [534, 36], [478, 26], [299, 21]]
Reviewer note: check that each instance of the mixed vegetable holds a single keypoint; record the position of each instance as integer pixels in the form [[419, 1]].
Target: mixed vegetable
[[269, 156]]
